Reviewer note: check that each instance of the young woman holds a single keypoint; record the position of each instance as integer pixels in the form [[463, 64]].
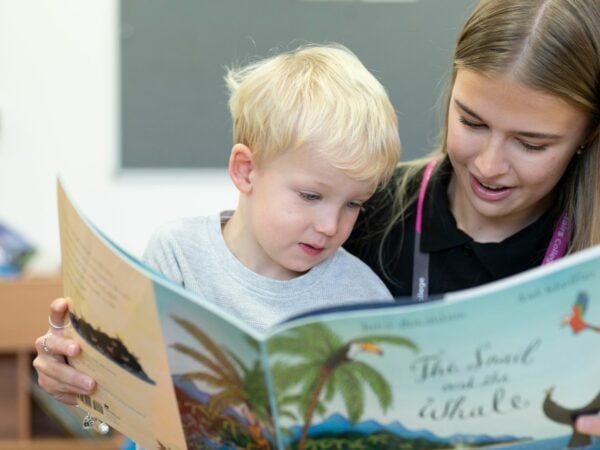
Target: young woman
[[518, 169], [518, 166], [518, 161]]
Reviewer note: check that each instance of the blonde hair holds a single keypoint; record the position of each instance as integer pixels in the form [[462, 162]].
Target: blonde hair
[[552, 46], [319, 98]]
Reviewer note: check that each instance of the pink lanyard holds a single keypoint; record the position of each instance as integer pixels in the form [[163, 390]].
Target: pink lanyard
[[420, 283]]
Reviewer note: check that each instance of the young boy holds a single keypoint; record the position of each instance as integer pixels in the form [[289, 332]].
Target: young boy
[[314, 135]]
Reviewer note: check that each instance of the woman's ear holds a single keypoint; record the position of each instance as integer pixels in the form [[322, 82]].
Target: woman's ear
[[241, 166], [595, 134], [592, 135]]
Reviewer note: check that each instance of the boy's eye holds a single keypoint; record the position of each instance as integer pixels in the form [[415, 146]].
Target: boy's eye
[[309, 196], [471, 124]]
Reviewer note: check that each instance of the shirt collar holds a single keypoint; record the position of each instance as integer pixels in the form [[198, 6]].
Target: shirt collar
[[521, 251], [440, 233], [517, 253]]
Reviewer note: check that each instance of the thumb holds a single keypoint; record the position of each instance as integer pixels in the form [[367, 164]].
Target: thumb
[[59, 310]]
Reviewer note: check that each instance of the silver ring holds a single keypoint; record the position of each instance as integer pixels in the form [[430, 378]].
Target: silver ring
[[44, 345], [58, 327], [91, 423]]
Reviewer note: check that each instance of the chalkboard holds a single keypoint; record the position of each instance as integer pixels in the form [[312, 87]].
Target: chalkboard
[[174, 53]]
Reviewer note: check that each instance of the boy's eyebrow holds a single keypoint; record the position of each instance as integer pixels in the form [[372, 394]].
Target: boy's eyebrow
[[530, 134]]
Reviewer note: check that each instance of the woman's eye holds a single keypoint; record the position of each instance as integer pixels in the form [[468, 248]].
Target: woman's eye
[[533, 147], [354, 205], [471, 124], [309, 196]]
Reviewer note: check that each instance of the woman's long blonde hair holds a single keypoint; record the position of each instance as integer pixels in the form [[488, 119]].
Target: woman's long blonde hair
[[552, 46]]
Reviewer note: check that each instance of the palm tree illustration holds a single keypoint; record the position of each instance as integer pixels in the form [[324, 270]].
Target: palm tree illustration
[[204, 420], [237, 384], [325, 362]]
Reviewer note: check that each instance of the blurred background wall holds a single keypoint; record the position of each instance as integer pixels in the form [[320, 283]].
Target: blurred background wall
[[120, 98]]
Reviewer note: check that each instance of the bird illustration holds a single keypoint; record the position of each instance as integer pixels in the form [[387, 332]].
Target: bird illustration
[[559, 414], [349, 351], [575, 319]]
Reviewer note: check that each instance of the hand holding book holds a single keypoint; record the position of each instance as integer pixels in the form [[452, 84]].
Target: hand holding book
[[55, 376]]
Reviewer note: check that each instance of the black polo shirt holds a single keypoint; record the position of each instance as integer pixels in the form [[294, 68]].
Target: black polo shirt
[[456, 261]]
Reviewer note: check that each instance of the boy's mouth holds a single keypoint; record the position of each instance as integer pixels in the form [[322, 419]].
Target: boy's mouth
[[310, 250]]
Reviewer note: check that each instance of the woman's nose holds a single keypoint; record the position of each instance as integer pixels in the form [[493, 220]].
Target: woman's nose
[[491, 160]]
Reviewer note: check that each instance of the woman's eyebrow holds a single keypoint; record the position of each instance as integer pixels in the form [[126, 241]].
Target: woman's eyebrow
[[529, 134], [536, 135], [466, 109]]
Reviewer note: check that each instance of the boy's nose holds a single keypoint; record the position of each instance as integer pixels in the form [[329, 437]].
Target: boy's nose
[[327, 224]]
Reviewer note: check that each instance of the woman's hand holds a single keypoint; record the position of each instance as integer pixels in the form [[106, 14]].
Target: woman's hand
[[588, 425], [55, 376]]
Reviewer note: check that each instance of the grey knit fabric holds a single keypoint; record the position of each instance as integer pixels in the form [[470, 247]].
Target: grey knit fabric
[[193, 253]]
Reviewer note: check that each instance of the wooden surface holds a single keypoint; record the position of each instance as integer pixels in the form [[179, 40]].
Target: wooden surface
[[8, 396], [25, 304], [59, 444]]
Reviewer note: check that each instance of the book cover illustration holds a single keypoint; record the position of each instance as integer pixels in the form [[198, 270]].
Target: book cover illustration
[[218, 377], [507, 365]]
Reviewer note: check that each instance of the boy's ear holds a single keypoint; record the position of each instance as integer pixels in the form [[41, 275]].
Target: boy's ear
[[241, 166]]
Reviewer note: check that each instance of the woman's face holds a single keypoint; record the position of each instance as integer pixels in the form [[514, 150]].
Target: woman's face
[[509, 146]]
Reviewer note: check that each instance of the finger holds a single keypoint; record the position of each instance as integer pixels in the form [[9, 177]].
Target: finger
[[67, 399], [58, 378], [59, 310], [61, 392], [588, 425], [55, 345]]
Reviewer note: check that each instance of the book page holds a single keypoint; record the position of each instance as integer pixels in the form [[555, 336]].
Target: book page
[[114, 318]]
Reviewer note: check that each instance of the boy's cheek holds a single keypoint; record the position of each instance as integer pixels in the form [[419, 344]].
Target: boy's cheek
[[345, 233]]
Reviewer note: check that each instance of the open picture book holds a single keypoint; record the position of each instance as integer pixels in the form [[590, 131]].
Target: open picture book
[[508, 365]]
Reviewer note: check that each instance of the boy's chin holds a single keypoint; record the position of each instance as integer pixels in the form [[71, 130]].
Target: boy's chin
[[296, 270]]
